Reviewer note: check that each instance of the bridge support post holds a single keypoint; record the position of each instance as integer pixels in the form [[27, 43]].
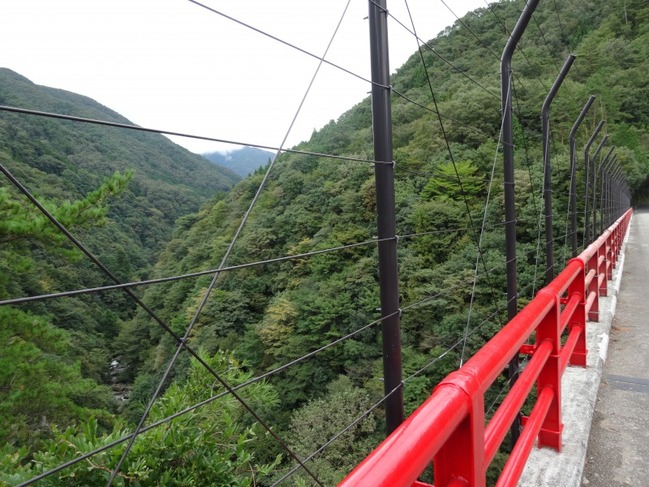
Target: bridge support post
[[386, 214], [462, 455], [602, 275], [593, 288]]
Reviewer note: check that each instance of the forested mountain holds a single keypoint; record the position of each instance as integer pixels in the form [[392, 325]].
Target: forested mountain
[[120, 192], [260, 317], [242, 161]]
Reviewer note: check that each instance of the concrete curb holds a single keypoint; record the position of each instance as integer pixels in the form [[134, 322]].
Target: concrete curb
[[546, 467]]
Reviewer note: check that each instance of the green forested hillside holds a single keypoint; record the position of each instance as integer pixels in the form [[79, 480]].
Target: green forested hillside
[[261, 317], [120, 192]]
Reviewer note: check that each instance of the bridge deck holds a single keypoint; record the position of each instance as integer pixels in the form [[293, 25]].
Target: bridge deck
[[615, 451], [618, 450]]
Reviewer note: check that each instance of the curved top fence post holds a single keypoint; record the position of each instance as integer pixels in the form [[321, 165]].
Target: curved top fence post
[[547, 167], [508, 154], [587, 190], [573, 183], [508, 179]]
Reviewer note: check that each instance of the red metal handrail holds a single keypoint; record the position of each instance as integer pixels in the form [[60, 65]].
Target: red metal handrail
[[449, 427]]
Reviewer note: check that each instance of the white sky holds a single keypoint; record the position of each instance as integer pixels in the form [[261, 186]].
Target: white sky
[[171, 64]]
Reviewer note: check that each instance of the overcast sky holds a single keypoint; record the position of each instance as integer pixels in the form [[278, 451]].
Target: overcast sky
[[171, 64]]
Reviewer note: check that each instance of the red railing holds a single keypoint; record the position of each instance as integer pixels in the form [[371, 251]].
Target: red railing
[[449, 427]]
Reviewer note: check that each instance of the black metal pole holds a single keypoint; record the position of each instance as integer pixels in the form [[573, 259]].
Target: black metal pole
[[587, 190], [508, 179], [596, 169], [573, 182], [386, 219], [547, 168], [614, 203], [604, 169], [608, 195]]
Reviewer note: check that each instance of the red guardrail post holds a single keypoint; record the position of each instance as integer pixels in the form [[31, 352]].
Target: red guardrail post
[[578, 287], [462, 455], [601, 269], [593, 287], [615, 243], [610, 243], [550, 329]]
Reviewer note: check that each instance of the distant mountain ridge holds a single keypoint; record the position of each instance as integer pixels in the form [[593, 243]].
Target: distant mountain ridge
[[242, 161], [64, 160]]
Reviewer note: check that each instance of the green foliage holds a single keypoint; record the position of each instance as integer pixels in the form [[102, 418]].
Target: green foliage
[[41, 381], [45, 379], [22, 220], [55, 354], [317, 422], [455, 181], [209, 445]]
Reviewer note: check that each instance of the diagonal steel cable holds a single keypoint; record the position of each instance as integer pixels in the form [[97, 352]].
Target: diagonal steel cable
[[477, 37], [286, 43], [480, 41], [450, 151], [189, 275], [421, 42], [277, 370], [224, 259], [430, 110], [331, 440], [533, 191], [482, 231], [108, 123], [180, 342], [519, 47]]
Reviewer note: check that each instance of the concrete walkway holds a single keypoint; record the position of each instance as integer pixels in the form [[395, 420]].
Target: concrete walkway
[[618, 449]]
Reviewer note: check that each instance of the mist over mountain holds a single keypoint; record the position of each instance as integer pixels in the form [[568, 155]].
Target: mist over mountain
[[243, 161]]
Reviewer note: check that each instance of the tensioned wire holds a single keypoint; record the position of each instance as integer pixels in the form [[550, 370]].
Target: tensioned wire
[[545, 42], [568, 231], [286, 43], [422, 302], [287, 258], [367, 412], [179, 340], [323, 156], [107, 123], [479, 253], [519, 47], [212, 284], [533, 191], [480, 41], [563, 32], [482, 231], [134, 297], [432, 49], [428, 109], [403, 383]]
